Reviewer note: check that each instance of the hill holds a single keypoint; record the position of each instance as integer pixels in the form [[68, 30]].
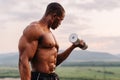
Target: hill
[[11, 59], [118, 55], [92, 56]]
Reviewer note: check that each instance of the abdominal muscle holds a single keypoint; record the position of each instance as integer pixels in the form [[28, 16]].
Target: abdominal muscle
[[44, 60]]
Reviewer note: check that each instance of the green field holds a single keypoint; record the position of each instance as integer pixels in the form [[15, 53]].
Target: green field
[[73, 73], [89, 73], [9, 72]]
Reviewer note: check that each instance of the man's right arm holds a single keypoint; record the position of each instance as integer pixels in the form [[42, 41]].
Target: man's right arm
[[24, 67], [27, 48], [26, 52]]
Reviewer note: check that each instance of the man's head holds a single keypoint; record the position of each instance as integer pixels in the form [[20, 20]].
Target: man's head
[[54, 8], [57, 13]]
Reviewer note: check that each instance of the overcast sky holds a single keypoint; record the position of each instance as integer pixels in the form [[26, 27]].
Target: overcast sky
[[95, 21]]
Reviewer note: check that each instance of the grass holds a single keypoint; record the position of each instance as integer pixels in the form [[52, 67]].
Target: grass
[[11, 72], [73, 73], [89, 73]]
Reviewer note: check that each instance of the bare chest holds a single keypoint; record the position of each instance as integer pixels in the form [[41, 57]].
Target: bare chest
[[47, 41]]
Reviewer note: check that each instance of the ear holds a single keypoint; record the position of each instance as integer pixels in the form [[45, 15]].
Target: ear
[[54, 15]]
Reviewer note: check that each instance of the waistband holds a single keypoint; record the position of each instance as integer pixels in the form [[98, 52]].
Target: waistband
[[44, 74]]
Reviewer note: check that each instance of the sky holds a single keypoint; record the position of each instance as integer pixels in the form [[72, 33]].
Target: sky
[[94, 21]]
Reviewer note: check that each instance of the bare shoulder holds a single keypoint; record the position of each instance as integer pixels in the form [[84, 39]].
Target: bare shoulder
[[32, 31], [29, 40]]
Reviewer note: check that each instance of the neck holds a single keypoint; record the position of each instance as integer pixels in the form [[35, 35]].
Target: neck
[[45, 22]]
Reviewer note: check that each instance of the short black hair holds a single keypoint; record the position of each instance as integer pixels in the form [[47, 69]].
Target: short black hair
[[54, 7]]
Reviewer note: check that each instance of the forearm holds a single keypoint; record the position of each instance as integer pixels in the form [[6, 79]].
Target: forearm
[[24, 69], [62, 56]]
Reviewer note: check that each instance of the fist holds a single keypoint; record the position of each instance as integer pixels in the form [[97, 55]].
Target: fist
[[77, 42], [81, 44]]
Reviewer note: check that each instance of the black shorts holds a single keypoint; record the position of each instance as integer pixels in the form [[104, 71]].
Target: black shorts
[[44, 76]]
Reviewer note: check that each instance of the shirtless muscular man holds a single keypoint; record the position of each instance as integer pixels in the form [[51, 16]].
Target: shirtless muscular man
[[38, 48]]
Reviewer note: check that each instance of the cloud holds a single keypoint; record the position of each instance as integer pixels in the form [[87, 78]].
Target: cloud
[[95, 21], [100, 5], [103, 44]]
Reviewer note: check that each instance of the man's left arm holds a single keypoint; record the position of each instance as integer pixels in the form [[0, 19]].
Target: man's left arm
[[62, 56]]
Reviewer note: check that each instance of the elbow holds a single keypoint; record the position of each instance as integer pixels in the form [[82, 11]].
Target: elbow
[[23, 62], [20, 63], [59, 61], [57, 64]]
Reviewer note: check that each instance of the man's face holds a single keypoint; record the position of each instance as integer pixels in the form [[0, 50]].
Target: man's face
[[57, 21]]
